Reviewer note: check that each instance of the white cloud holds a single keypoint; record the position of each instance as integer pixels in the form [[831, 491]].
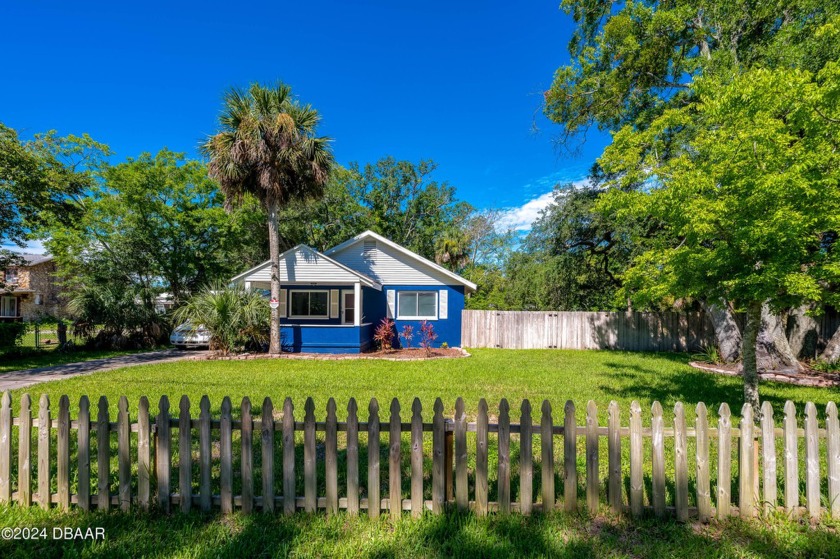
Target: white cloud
[[32, 247], [520, 218]]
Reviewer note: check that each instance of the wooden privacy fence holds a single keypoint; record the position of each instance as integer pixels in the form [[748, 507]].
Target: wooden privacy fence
[[630, 331], [757, 471]]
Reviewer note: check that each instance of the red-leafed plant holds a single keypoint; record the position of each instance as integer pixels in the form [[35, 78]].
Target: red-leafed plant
[[407, 334], [384, 334], [427, 336]]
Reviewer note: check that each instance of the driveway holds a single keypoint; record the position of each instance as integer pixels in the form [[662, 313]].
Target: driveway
[[28, 377]]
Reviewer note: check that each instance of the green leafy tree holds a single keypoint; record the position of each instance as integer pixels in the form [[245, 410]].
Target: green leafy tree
[[267, 148], [748, 191]]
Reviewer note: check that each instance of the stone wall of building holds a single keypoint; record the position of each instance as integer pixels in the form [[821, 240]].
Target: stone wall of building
[[45, 299]]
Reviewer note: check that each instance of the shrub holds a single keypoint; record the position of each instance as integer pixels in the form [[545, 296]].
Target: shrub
[[824, 366], [384, 334], [407, 334], [235, 317], [11, 334], [708, 354], [427, 336]]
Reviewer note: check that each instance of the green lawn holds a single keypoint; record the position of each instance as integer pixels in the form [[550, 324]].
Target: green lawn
[[493, 374], [556, 375], [49, 357], [558, 535]]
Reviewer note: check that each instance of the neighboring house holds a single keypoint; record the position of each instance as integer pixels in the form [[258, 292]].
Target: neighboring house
[[30, 290], [331, 302]]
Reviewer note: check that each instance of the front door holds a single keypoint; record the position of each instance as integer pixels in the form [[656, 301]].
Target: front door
[[348, 306]]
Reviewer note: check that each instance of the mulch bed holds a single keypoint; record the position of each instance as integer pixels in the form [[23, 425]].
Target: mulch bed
[[413, 354], [808, 377]]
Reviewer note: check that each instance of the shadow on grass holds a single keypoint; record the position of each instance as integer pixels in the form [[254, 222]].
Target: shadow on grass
[[450, 535]]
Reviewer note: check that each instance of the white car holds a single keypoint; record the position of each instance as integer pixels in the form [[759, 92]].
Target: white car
[[187, 336]]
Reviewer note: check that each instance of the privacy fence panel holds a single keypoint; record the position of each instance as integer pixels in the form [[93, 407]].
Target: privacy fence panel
[[630, 331], [687, 462]]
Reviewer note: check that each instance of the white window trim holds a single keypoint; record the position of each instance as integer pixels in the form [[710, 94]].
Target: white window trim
[[309, 316], [15, 309], [401, 316]]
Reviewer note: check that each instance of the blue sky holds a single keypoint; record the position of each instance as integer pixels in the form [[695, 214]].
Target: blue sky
[[457, 82]]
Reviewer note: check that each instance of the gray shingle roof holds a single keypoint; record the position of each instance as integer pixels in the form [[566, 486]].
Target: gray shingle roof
[[33, 259]]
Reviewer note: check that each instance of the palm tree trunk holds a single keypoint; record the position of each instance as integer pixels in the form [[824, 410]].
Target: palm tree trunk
[[748, 354], [274, 253]]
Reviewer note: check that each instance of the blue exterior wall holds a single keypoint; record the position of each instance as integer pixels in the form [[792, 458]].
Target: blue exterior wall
[[448, 330]]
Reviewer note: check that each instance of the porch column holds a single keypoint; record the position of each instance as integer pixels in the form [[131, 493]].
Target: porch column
[[357, 304]]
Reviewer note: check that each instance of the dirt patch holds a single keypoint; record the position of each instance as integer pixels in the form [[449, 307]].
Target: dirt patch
[[413, 354], [809, 377]]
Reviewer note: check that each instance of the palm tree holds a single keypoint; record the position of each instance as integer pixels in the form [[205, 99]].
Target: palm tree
[[267, 148]]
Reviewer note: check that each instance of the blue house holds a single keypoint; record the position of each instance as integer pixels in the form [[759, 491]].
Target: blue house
[[331, 302]]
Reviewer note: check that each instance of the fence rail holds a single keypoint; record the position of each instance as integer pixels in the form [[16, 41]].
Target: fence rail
[[630, 331], [147, 474]]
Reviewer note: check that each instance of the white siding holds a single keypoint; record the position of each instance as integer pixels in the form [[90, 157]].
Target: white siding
[[304, 266], [389, 267]]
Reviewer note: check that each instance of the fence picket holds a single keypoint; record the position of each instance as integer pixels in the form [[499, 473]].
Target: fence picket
[[461, 487], [417, 458], [680, 463], [570, 457], [289, 491], [25, 453], [331, 458], [504, 457], [791, 459], [636, 450], [526, 460], [6, 448], [124, 453], [310, 481], [374, 504], [204, 453], [658, 459], [185, 454], [144, 456], [481, 456], [614, 455], [592, 471], [103, 452], [438, 481], [832, 427], [267, 463], [704, 497], [226, 457], [44, 422], [394, 455], [246, 464], [547, 443], [745, 463], [353, 458], [812, 464], [162, 454], [724, 492], [768, 447]]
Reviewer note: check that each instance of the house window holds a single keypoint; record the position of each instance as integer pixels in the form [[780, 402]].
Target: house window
[[417, 305], [11, 276], [8, 306], [310, 304]]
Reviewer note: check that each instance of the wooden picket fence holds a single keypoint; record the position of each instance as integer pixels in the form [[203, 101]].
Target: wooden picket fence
[[450, 487]]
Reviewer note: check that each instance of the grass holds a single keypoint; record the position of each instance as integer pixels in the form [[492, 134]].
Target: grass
[[556, 375], [558, 535], [49, 357]]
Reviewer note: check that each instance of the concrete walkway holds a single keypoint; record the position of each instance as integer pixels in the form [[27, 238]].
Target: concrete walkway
[[28, 377]]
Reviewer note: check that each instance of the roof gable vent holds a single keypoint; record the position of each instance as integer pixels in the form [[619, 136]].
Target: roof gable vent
[[368, 246]]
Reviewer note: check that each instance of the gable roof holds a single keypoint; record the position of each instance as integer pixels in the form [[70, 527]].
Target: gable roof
[[404, 251], [33, 259], [318, 255]]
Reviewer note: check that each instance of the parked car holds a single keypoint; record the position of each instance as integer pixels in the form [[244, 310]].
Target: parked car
[[187, 336]]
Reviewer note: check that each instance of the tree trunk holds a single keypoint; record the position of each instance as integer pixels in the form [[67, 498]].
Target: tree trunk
[[831, 353], [274, 253], [802, 333], [727, 333], [750, 369], [773, 352]]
